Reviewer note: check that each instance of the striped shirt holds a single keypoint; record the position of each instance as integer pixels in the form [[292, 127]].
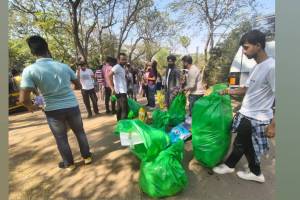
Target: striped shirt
[[99, 76]]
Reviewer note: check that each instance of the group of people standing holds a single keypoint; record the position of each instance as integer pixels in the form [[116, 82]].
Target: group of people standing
[[253, 123], [96, 86]]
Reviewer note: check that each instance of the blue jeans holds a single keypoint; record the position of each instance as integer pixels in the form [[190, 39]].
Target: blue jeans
[[192, 99], [151, 94], [58, 121]]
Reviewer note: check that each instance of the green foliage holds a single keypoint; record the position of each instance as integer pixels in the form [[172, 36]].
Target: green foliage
[[185, 41], [161, 58], [19, 54], [218, 66]]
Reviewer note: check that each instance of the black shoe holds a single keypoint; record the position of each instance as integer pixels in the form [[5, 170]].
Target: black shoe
[[69, 167], [108, 112], [97, 113], [114, 112], [89, 116]]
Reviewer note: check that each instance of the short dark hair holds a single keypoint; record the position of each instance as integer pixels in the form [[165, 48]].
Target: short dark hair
[[109, 59], [14, 72], [121, 54], [254, 37], [187, 59], [82, 63], [171, 57], [38, 45]]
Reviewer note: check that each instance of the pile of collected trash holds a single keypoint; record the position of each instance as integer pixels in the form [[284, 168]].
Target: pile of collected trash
[[157, 139]]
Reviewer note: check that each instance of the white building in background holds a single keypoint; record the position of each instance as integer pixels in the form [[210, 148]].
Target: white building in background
[[241, 65]]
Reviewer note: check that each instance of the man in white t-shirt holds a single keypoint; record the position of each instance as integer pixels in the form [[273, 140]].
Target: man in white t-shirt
[[193, 82], [254, 121], [86, 77], [119, 86]]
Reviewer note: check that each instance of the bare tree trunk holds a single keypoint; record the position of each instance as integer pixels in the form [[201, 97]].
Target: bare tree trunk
[[75, 29], [205, 48]]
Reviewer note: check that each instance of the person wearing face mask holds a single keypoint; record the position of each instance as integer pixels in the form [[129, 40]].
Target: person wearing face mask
[[86, 77], [172, 85]]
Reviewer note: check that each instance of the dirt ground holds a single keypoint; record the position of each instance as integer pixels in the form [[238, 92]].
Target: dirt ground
[[33, 159]]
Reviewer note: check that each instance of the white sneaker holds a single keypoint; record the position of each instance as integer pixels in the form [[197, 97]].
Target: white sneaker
[[250, 176], [223, 169]]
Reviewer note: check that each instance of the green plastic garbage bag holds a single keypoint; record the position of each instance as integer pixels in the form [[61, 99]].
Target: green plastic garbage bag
[[133, 108], [160, 119], [164, 176], [113, 98], [177, 110], [211, 123], [155, 140]]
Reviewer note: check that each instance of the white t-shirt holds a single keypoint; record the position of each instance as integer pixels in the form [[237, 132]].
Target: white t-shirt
[[119, 79], [260, 94], [86, 79]]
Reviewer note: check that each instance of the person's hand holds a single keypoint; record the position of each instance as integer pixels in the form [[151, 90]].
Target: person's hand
[[270, 130], [224, 92], [33, 108], [182, 90], [113, 92]]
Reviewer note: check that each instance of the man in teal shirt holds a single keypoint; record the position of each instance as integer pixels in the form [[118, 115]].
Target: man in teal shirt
[[53, 79]]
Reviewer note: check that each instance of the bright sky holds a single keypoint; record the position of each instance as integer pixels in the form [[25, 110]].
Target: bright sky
[[197, 36]]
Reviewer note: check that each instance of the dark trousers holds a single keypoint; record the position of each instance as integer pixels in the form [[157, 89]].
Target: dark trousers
[[58, 121], [87, 95], [151, 95], [107, 100], [192, 99], [145, 89], [243, 145], [122, 106]]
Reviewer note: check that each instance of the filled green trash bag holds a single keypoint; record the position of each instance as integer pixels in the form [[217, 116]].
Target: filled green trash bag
[[174, 116], [211, 123], [177, 110], [133, 108], [160, 119], [155, 140], [164, 176]]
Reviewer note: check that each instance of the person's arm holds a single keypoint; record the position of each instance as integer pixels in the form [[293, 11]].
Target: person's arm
[[75, 79], [77, 84], [271, 129], [27, 86], [236, 91], [25, 99], [110, 80], [92, 74], [151, 76], [78, 73]]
